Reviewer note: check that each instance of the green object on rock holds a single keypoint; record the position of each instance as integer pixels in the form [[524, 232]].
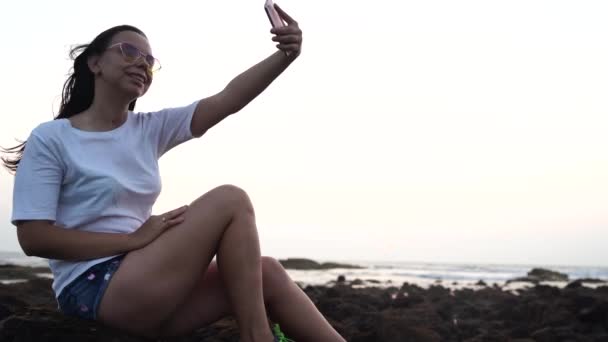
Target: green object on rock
[[278, 334]]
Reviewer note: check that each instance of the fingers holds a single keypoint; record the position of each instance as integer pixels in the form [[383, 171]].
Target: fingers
[[289, 20], [167, 222], [174, 213], [286, 30], [174, 221], [173, 217], [287, 39]]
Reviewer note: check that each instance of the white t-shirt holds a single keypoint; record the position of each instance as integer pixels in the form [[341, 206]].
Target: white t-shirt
[[95, 181]]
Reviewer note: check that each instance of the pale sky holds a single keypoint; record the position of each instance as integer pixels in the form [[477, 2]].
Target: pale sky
[[441, 131]]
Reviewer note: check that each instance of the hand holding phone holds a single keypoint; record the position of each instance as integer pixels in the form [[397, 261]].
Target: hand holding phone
[[287, 32], [273, 15]]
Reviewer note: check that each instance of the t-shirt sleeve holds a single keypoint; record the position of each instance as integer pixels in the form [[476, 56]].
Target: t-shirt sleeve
[[171, 126], [37, 182]]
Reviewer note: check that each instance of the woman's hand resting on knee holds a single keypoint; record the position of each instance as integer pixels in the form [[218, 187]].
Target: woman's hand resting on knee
[[156, 225]]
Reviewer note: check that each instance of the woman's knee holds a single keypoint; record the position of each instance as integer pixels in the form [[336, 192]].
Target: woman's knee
[[274, 276], [224, 200], [233, 198]]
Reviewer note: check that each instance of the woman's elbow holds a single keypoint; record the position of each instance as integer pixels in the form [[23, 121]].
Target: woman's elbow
[[27, 247], [27, 234]]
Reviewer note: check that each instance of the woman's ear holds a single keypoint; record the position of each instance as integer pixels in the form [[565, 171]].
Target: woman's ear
[[93, 63]]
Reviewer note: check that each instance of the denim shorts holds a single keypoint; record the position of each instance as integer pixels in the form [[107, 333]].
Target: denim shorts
[[82, 296]]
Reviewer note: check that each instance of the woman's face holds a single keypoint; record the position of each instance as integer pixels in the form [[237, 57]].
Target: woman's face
[[127, 64]]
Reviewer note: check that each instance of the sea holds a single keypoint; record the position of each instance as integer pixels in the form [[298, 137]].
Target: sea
[[386, 274]]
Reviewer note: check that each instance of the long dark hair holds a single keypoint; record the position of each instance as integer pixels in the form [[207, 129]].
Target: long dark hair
[[78, 89]]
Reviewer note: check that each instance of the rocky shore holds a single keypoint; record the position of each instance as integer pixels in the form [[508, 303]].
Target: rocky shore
[[307, 264], [400, 313]]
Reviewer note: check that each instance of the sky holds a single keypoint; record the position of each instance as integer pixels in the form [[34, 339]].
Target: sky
[[438, 131]]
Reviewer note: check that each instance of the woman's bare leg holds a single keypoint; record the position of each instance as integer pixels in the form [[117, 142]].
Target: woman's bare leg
[[287, 305], [238, 259], [154, 281]]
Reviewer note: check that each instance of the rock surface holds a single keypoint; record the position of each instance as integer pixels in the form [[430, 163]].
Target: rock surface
[[547, 275], [405, 313], [9, 272], [537, 275], [307, 264]]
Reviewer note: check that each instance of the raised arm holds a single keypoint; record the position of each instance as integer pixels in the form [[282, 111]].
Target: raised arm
[[249, 84]]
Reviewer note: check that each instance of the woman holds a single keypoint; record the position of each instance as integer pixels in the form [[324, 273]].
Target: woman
[[85, 185]]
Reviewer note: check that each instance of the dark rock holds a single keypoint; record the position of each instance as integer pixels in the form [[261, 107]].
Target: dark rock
[[523, 280], [332, 292], [408, 313], [9, 272], [438, 292], [313, 291], [411, 288], [407, 301], [575, 284], [307, 264], [34, 292], [557, 318], [550, 334], [580, 300], [4, 312], [546, 291], [537, 275], [300, 264], [42, 325], [600, 338], [330, 265], [481, 283], [357, 282], [395, 330], [547, 275], [598, 313], [592, 280], [341, 279]]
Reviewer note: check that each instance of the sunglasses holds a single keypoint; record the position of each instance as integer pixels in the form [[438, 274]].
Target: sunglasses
[[132, 54]]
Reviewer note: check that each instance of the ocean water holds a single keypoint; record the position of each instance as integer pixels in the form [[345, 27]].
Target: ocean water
[[379, 273], [17, 258]]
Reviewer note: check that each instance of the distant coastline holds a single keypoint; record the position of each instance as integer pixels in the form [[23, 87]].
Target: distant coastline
[[16, 267]]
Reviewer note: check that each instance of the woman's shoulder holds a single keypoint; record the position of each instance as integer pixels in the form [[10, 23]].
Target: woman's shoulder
[[49, 130]]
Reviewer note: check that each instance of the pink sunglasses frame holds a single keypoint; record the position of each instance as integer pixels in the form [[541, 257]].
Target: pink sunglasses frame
[[152, 68]]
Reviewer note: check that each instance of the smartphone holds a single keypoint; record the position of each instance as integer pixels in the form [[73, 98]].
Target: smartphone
[[273, 16]]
